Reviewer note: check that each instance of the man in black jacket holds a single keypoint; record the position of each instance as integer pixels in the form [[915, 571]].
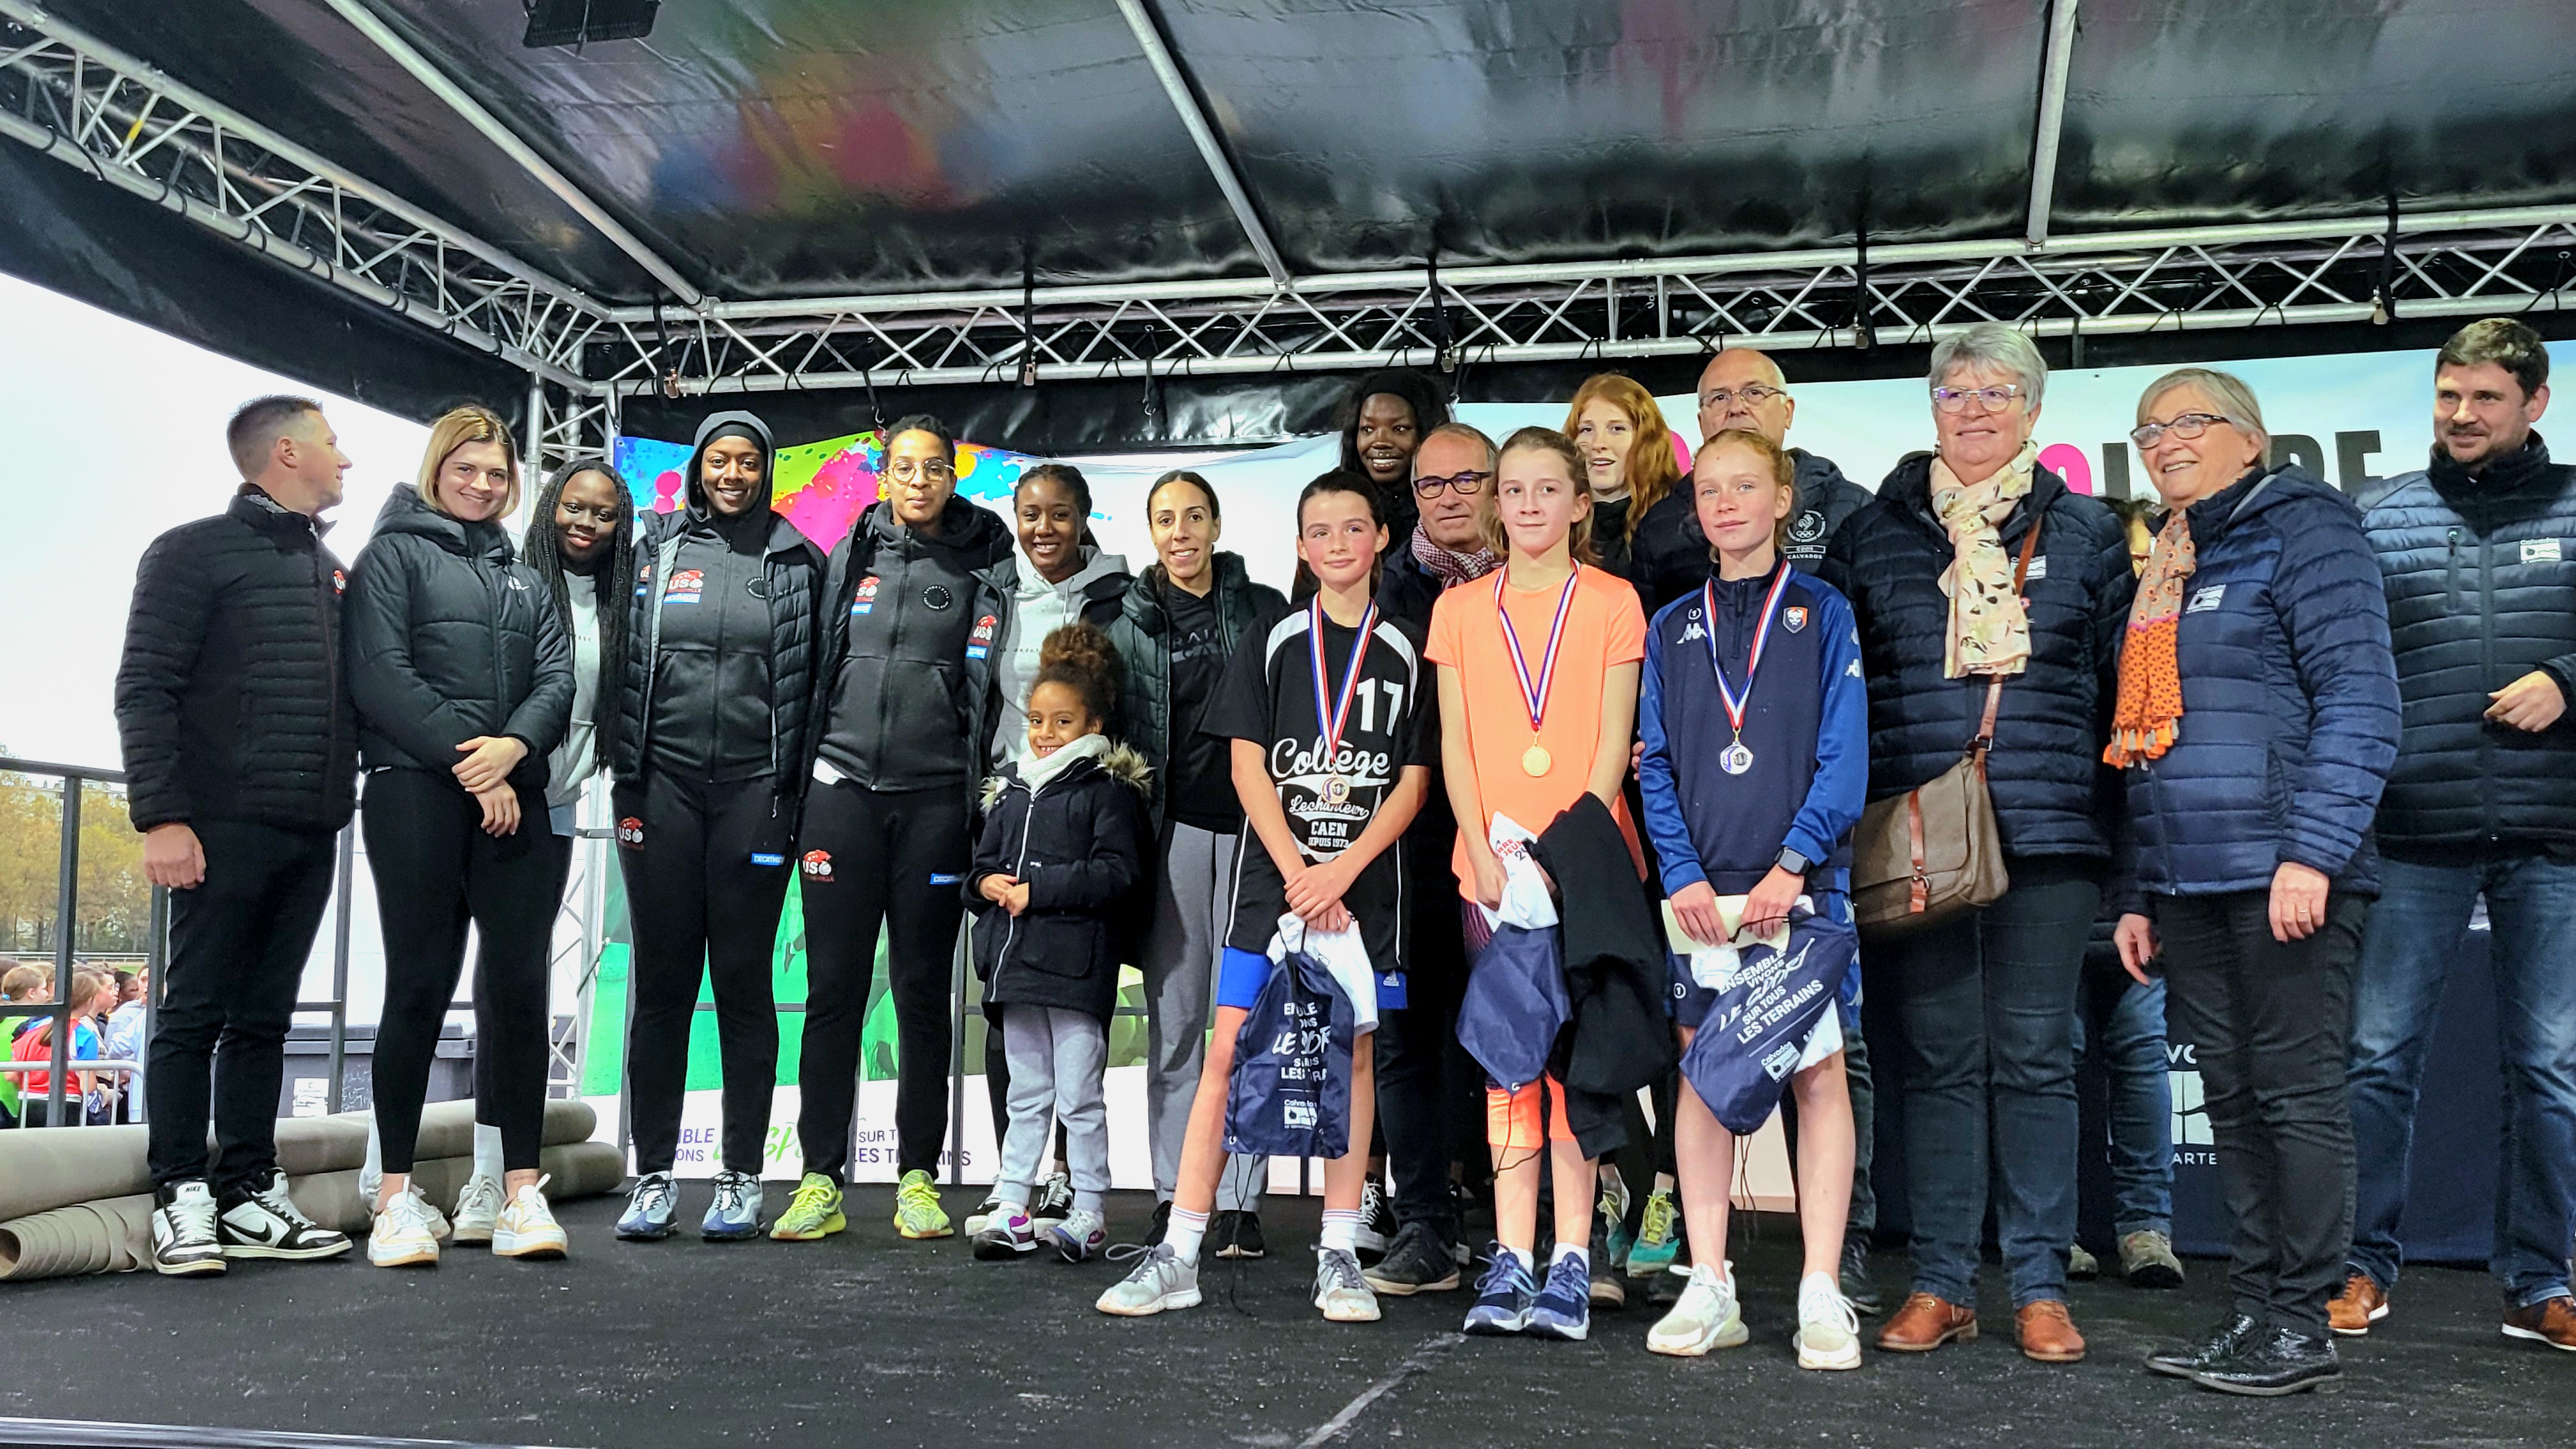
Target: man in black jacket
[[2478, 553], [241, 766]]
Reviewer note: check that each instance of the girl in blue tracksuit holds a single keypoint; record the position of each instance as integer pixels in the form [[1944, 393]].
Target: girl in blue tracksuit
[[1756, 732]]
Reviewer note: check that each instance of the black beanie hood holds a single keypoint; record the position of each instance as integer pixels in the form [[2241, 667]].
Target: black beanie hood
[[742, 425]]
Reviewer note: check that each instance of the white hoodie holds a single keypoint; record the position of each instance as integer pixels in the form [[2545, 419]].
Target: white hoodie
[[1038, 608]]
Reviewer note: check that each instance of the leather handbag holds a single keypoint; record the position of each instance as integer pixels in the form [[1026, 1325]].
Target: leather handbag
[[1924, 856]]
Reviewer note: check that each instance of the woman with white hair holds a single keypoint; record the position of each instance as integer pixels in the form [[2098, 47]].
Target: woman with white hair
[[2256, 723], [1975, 564]]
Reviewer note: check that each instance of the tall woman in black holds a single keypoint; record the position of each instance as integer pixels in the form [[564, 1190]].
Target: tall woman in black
[[463, 683], [903, 706], [707, 750]]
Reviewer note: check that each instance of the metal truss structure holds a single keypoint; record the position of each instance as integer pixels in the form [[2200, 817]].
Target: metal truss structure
[[72, 98]]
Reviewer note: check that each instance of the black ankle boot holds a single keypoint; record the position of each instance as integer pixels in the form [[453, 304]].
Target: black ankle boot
[[2208, 1350], [2274, 1362]]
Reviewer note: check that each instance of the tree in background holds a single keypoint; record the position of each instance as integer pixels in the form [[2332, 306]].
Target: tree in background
[[115, 905]]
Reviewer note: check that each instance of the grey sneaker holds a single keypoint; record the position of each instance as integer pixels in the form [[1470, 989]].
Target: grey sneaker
[[1160, 1281], [1080, 1237], [649, 1208], [1340, 1290], [2147, 1260], [735, 1213]]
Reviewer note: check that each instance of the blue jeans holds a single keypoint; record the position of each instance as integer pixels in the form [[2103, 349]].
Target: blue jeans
[[1988, 1001], [2414, 935], [2125, 1023]]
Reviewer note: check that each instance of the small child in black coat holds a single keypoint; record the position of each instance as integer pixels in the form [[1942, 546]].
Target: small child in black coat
[[1064, 842]]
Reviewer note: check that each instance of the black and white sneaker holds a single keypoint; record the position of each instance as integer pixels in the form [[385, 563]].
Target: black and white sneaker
[[1378, 1226], [183, 1231], [1054, 1201], [266, 1223]]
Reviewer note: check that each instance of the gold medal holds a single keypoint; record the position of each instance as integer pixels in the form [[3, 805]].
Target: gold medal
[[1535, 760]]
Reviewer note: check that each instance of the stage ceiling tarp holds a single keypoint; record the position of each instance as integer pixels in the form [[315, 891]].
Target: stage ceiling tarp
[[800, 148]]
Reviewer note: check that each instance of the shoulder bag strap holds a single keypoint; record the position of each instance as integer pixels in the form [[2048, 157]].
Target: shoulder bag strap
[[1985, 740]]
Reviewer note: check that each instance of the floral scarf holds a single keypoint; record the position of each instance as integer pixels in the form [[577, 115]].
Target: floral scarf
[[1989, 629], [1449, 566], [2149, 712]]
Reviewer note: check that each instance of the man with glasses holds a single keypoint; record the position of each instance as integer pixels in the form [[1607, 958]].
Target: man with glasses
[[1741, 388], [1427, 1102], [2478, 553]]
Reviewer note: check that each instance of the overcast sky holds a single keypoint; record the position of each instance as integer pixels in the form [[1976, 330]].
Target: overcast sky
[[119, 434]]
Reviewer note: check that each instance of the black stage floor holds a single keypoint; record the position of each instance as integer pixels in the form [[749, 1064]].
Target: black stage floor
[[867, 1341]]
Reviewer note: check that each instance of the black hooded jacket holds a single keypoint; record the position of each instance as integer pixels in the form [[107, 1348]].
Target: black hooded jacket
[[1396, 506], [1668, 557], [719, 669], [903, 696], [447, 637], [230, 702], [1081, 845]]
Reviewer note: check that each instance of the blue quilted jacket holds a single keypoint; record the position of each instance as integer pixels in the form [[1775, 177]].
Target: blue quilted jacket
[[2289, 701]]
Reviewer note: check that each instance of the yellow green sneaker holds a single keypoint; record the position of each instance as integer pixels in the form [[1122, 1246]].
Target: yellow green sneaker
[[813, 1213], [917, 1213], [1659, 1238]]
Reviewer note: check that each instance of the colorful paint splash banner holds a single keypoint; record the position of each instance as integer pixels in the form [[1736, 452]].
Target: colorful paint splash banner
[[819, 487]]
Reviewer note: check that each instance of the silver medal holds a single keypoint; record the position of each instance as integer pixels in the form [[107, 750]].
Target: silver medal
[[1735, 759]]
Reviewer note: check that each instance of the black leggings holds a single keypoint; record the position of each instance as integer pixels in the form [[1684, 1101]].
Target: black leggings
[[896, 860], [703, 911], [435, 872]]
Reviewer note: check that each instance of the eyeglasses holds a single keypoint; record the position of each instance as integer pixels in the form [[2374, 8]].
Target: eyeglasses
[[1987, 399], [1754, 394], [1465, 485], [934, 470], [2186, 427]]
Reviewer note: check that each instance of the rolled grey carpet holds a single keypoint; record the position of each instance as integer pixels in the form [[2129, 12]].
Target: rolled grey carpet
[[113, 1235]]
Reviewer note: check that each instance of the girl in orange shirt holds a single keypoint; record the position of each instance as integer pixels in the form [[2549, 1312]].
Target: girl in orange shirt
[[1538, 698]]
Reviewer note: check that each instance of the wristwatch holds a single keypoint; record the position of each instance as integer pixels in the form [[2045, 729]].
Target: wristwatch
[[1794, 863]]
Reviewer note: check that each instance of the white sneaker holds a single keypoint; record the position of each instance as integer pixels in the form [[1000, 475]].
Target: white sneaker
[[1828, 1329], [983, 1215], [1160, 1281], [184, 1241], [1707, 1316], [401, 1236], [1340, 1291], [526, 1227], [478, 1206]]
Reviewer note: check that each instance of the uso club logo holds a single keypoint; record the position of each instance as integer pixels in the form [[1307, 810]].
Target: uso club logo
[[339, 582], [980, 643], [817, 864], [866, 600], [630, 832], [687, 587]]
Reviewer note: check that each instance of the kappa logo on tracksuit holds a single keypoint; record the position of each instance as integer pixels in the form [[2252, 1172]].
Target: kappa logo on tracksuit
[[630, 832], [817, 864]]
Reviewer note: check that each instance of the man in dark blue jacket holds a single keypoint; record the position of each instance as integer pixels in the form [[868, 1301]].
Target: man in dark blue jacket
[[2478, 553]]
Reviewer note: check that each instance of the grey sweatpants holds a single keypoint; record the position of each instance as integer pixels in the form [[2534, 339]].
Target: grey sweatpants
[[1193, 907], [1056, 1059]]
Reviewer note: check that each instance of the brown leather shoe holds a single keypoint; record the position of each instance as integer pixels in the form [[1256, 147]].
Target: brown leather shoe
[[2047, 1334], [1925, 1323], [2359, 1305], [2551, 1321]]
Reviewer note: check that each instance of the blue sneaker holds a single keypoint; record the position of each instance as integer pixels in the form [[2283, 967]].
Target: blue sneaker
[[649, 1206], [1503, 1295], [1564, 1306], [735, 1214]]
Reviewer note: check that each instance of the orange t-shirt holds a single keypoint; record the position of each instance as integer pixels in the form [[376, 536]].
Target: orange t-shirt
[[1603, 627]]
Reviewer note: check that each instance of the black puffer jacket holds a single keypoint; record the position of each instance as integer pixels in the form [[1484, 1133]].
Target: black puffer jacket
[[2481, 577], [789, 571], [230, 702], [1080, 844], [911, 708], [1139, 633], [2053, 795], [449, 637], [1669, 555]]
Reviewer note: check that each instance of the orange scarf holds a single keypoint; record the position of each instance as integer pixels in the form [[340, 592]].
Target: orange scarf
[[2149, 712]]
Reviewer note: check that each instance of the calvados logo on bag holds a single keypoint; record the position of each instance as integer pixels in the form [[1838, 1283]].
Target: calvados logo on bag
[[630, 832], [687, 587], [817, 865], [1794, 618], [980, 643], [865, 601]]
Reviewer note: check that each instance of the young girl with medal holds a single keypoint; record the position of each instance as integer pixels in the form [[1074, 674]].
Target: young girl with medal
[[1538, 694], [1323, 707], [1755, 768]]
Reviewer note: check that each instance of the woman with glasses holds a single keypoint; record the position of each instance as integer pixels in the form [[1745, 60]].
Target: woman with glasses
[[1945, 606], [2256, 722], [903, 706]]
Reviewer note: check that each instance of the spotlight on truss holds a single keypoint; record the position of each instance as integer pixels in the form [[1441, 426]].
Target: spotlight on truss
[[571, 22]]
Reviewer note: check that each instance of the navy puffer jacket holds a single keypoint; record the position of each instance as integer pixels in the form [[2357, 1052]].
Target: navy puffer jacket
[[2289, 700], [2481, 578], [2052, 795]]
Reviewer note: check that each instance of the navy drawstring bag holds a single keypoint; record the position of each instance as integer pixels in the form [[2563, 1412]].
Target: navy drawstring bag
[[1291, 1093], [1757, 1027], [1515, 1005]]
